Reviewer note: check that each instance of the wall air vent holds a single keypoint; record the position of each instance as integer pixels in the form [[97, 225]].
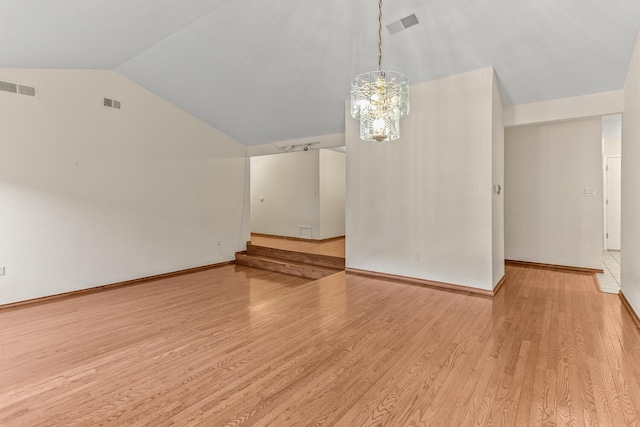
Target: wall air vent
[[17, 88], [112, 103], [8, 87], [26, 90], [403, 24]]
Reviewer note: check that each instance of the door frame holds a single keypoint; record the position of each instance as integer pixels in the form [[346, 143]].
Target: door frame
[[605, 196]]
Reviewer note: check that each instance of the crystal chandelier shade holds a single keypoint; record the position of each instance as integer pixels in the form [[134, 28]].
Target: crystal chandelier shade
[[380, 98]]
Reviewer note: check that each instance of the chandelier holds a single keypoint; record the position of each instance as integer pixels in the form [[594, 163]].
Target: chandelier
[[380, 98]]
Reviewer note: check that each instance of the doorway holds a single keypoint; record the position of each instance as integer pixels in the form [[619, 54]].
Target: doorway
[[299, 194], [612, 202]]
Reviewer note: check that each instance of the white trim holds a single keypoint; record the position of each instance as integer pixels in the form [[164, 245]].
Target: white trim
[[605, 196]]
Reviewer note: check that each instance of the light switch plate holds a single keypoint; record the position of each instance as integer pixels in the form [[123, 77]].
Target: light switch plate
[[589, 191]]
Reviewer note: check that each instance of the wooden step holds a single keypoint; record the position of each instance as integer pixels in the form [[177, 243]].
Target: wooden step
[[298, 257], [308, 271]]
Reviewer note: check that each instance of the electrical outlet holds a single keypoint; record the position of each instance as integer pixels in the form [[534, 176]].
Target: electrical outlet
[[219, 243], [416, 256], [2, 271]]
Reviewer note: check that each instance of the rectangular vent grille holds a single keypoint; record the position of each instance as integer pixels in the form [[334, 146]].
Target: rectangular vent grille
[[409, 21], [395, 27], [17, 88], [112, 103], [8, 87], [26, 90], [403, 24]]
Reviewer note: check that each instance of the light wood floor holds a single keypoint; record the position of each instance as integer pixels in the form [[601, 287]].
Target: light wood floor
[[333, 247], [238, 346]]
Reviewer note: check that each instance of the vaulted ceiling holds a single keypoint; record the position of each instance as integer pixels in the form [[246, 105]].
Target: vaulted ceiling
[[272, 70]]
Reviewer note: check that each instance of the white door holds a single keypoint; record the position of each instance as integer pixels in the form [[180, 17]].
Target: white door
[[613, 203]]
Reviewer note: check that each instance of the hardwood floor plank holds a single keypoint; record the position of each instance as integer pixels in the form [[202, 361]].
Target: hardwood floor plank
[[378, 366], [506, 354], [621, 370], [475, 408], [385, 402], [348, 347], [238, 346], [581, 384], [540, 316]]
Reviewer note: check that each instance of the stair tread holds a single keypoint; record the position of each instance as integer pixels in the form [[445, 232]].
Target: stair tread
[[288, 262], [312, 255], [296, 257]]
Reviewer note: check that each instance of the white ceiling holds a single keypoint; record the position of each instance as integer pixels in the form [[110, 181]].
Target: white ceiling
[[272, 70]]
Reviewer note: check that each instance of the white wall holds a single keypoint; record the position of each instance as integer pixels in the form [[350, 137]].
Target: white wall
[[630, 276], [92, 196], [612, 146], [595, 104], [497, 172], [430, 192], [285, 193], [547, 217], [300, 188], [332, 193]]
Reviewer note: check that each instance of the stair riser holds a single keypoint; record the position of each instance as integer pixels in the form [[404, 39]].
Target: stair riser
[[312, 259], [308, 273]]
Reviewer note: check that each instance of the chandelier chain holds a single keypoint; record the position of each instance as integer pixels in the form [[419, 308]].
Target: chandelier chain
[[379, 35]]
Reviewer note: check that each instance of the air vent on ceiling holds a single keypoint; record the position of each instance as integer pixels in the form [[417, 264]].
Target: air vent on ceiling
[[17, 88], [403, 24], [395, 27], [410, 21], [112, 103]]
